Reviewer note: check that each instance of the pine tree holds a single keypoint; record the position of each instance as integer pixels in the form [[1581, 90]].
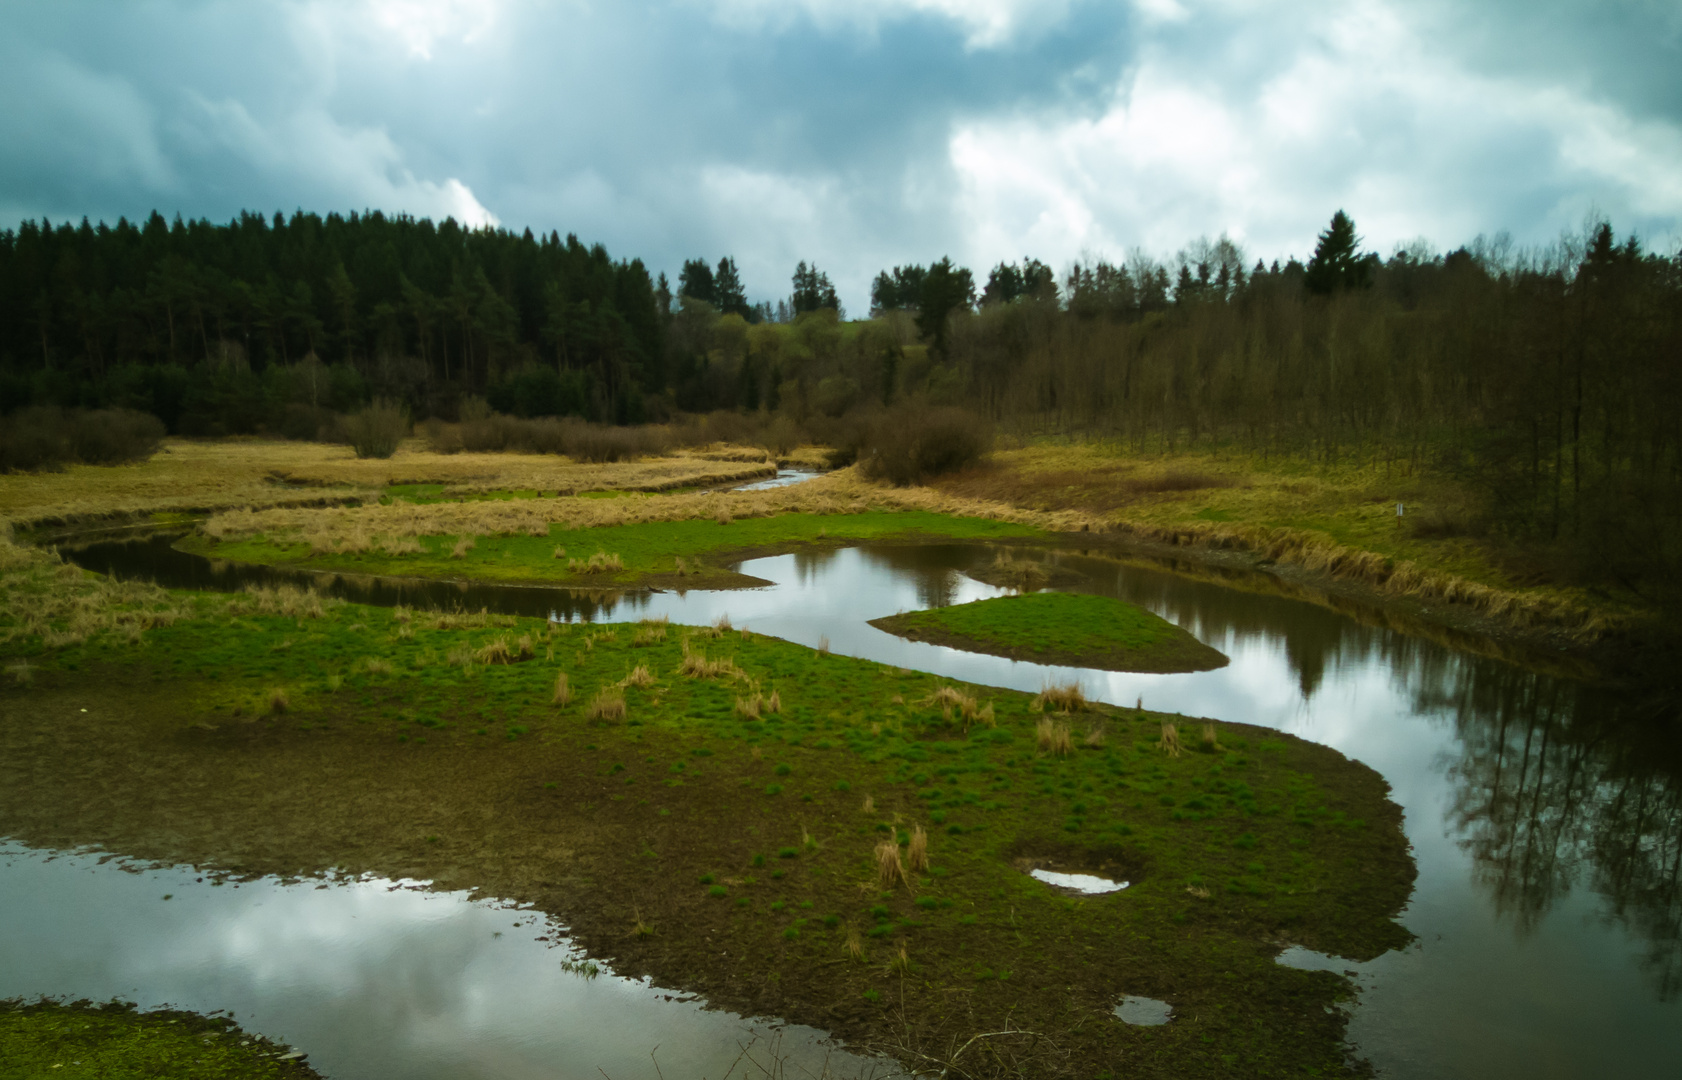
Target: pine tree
[[1337, 263], [696, 282], [728, 294]]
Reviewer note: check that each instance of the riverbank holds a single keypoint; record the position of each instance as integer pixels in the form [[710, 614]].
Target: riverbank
[[277, 733]]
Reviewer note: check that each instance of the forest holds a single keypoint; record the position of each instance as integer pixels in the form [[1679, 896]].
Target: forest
[[1548, 382]]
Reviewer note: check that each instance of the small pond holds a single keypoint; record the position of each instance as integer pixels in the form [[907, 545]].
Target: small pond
[[1547, 823]]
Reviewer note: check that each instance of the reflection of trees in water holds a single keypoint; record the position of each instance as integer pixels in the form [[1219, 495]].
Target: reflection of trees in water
[[1559, 783], [810, 564], [932, 568]]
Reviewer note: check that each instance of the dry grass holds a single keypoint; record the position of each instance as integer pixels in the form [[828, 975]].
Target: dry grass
[[1054, 737], [638, 676], [1095, 737], [608, 705], [278, 701], [890, 870], [503, 651], [756, 704], [1063, 697], [599, 563], [901, 963], [1208, 743], [20, 671], [1170, 742], [463, 546], [42, 596], [823, 644], [563, 692], [917, 850], [647, 635], [855, 946], [869, 805], [952, 701], [560, 552], [479, 620], [696, 666], [376, 666]]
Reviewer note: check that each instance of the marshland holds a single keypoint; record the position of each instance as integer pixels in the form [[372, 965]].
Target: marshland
[[863, 719]]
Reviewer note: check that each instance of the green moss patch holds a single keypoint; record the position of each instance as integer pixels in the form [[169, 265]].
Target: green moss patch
[[723, 833], [118, 1042], [1067, 629], [649, 552]]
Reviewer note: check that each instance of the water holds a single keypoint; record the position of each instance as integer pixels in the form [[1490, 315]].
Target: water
[[373, 979], [1144, 1011], [1083, 883], [784, 478], [1547, 823]]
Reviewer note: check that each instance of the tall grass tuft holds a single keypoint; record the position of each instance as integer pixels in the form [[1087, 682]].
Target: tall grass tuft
[[1064, 697], [463, 546], [608, 705], [1054, 737], [278, 701], [917, 850], [638, 676], [1208, 744], [1170, 741], [889, 869], [1095, 736], [869, 805], [855, 946], [563, 692]]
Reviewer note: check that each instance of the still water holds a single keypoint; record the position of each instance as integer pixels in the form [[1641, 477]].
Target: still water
[[1547, 824]]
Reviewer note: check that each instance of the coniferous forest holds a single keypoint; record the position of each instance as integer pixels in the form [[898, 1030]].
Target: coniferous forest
[[1548, 382]]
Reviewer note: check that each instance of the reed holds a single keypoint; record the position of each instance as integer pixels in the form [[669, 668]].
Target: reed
[[1054, 737]]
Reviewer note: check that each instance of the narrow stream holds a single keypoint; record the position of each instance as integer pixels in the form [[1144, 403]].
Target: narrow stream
[[1547, 825]]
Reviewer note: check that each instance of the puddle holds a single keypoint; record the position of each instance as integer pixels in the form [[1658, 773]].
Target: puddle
[[1144, 1011], [1083, 883], [375, 979]]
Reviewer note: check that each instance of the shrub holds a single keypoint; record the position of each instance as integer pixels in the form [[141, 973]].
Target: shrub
[[913, 443], [377, 430], [46, 438]]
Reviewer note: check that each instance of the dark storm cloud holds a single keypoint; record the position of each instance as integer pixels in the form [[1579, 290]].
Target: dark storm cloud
[[857, 134]]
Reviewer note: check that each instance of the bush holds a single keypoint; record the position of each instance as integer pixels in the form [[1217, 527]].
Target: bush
[[912, 443], [45, 438], [376, 431]]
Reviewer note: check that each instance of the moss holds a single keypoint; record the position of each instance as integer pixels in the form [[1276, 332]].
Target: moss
[[116, 1041], [1061, 628]]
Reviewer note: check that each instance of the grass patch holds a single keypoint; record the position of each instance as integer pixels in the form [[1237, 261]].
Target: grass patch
[[625, 555], [118, 1042], [676, 805], [1069, 629]]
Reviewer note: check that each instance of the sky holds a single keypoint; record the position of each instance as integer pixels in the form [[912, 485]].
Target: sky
[[859, 134]]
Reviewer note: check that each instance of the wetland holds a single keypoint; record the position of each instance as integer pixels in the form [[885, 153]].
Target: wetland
[[425, 736]]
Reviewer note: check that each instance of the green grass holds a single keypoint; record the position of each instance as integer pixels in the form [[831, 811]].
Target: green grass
[[117, 1042], [758, 848], [649, 550], [1061, 628]]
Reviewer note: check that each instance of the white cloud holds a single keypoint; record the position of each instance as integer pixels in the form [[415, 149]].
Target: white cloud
[[986, 23], [1361, 113], [421, 24]]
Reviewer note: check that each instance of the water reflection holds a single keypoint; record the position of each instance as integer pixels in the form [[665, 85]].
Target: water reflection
[[1545, 815], [370, 979]]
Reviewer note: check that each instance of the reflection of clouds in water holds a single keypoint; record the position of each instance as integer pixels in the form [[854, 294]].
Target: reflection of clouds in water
[[370, 981]]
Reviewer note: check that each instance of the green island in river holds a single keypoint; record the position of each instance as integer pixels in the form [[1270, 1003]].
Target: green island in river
[[1066, 629]]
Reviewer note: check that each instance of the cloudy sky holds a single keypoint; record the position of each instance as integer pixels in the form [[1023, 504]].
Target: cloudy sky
[[859, 133]]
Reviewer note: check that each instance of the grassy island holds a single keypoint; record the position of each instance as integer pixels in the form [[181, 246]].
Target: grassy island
[[1060, 628], [789, 832], [114, 1041]]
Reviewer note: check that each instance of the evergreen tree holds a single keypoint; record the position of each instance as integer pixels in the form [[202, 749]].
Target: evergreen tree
[[946, 289], [696, 282], [813, 291], [728, 294], [1337, 262]]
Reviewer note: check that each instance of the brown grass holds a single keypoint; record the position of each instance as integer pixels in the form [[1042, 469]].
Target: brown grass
[[647, 635], [376, 666], [869, 805], [463, 546], [823, 644], [638, 676], [1095, 737], [917, 850], [599, 563], [1208, 743], [1170, 742], [697, 666], [1063, 697], [855, 946], [278, 701], [608, 705], [889, 869], [952, 701], [1054, 737], [560, 552], [563, 692]]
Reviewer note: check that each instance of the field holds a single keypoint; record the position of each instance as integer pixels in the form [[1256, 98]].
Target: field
[[193, 476], [1060, 628], [871, 880]]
